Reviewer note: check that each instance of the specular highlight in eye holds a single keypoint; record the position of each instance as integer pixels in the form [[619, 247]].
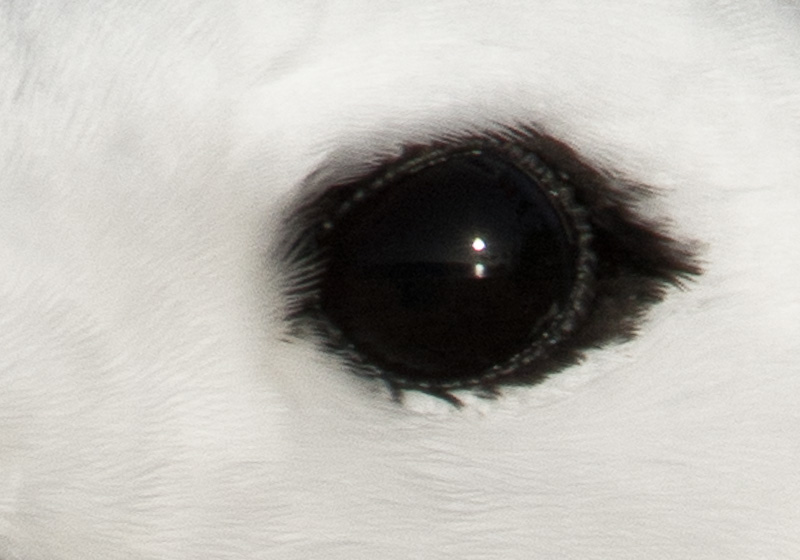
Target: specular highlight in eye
[[454, 265]]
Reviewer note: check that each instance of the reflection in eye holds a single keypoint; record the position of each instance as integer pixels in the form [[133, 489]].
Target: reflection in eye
[[476, 264]]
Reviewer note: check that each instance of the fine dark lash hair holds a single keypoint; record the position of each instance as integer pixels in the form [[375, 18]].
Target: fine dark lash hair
[[636, 262]]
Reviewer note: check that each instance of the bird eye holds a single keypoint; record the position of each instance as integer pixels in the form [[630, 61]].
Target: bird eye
[[475, 264]]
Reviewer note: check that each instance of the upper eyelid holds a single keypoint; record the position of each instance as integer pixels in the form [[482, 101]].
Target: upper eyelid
[[604, 187], [354, 160]]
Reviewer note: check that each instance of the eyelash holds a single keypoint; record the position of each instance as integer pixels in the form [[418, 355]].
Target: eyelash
[[635, 262]]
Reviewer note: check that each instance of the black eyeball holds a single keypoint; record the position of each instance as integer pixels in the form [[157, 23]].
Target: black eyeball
[[475, 264], [452, 263]]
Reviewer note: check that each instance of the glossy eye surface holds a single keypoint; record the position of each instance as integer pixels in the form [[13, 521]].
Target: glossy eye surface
[[452, 265], [477, 264]]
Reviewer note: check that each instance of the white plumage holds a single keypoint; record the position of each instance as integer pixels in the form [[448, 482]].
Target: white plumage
[[148, 408]]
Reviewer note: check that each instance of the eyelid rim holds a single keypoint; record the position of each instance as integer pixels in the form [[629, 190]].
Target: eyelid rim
[[552, 328]]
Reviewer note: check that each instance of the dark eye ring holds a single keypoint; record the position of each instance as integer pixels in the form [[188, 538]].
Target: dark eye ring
[[475, 264]]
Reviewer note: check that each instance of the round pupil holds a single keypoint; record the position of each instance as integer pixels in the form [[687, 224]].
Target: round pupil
[[450, 270]]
